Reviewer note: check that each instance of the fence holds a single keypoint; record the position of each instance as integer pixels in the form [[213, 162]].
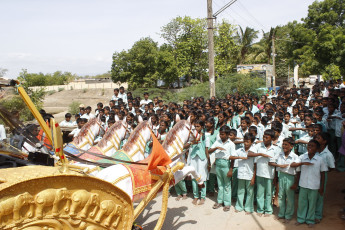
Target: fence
[[81, 85]]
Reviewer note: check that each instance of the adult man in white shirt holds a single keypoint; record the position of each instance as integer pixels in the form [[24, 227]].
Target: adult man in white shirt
[[145, 101], [67, 122], [123, 95], [88, 115], [116, 96]]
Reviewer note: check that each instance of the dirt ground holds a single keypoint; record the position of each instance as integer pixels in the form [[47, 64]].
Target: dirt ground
[[58, 103], [183, 215]]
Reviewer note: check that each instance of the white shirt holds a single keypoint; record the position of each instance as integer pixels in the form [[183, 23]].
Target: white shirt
[[144, 102], [311, 174], [65, 123], [27, 148], [279, 143], [245, 169], [2, 133], [123, 96], [229, 147], [75, 132], [282, 160], [302, 148], [88, 116], [115, 98], [254, 109], [328, 157], [262, 168], [240, 134], [286, 127]]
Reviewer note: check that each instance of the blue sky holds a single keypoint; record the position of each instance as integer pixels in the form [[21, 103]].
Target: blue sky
[[80, 36]]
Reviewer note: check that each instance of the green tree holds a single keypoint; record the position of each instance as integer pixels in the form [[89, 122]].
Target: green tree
[[188, 39], [319, 42], [262, 51], [225, 48], [245, 39], [137, 66], [167, 69]]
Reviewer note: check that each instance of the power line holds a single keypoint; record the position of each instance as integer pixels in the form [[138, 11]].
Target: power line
[[251, 15], [224, 8]]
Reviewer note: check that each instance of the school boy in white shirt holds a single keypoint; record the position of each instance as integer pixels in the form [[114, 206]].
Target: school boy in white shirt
[[223, 149], [286, 175], [311, 181], [265, 153], [245, 176]]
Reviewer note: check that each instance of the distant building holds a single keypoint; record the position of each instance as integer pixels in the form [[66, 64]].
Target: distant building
[[262, 70]]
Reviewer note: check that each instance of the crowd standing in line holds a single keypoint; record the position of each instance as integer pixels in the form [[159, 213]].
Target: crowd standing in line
[[251, 150]]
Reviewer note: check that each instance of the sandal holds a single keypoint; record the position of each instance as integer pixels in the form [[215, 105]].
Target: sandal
[[267, 215], [195, 201], [216, 206], [178, 198], [184, 197], [248, 213], [201, 202], [259, 214], [226, 208], [286, 221], [298, 223], [342, 216], [317, 221]]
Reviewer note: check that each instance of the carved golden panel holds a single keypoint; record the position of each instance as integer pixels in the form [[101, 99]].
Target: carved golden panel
[[40, 197]]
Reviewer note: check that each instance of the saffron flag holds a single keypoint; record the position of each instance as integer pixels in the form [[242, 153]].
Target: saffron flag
[[158, 156]]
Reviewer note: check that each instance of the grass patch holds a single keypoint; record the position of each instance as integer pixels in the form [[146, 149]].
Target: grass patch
[[73, 108]]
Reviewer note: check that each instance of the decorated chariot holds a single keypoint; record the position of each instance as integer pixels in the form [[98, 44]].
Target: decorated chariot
[[93, 186]]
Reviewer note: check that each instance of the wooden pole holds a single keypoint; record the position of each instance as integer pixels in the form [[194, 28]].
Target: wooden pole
[[210, 49], [274, 62]]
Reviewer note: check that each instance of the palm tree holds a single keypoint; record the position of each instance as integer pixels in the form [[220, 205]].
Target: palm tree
[[245, 40], [262, 50]]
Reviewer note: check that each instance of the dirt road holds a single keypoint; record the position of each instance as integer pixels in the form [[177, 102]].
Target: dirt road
[[183, 215]]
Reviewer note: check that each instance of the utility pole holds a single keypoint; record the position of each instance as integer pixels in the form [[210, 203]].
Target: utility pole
[[274, 62], [210, 49], [210, 17]]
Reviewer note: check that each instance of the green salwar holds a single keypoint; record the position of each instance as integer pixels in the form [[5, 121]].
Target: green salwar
[[196, 193], [180, 188]]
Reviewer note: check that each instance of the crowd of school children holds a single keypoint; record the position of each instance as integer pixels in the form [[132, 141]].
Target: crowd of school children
[[264, 151]]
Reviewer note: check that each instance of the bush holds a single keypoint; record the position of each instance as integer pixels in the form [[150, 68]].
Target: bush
[[241, 83], [51, 92], [61, 89], [84, 90], [74, 107], [17, 103]]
